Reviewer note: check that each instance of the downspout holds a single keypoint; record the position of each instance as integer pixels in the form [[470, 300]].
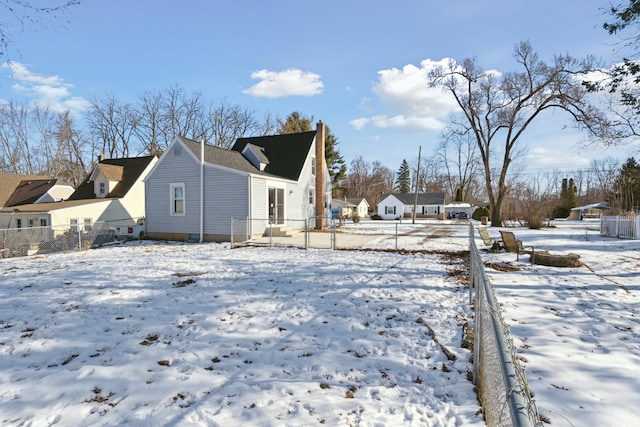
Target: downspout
[[202, 191], [250, 213]]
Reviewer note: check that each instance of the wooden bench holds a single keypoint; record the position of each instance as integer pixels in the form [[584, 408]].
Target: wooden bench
[[511, 244]]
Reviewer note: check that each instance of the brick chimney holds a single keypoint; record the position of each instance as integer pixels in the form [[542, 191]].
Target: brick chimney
[[320, 141]]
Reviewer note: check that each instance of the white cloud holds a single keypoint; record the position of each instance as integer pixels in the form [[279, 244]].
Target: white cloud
[[411, 103], [291, 82], [45, 91]]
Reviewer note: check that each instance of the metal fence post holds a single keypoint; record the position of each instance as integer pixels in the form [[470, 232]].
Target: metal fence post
[[396, 236], [333, 234]]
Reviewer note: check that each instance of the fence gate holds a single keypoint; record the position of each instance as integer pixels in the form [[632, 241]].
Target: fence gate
[[321, 239]]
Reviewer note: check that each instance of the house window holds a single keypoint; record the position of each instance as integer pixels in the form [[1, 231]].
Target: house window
[[87, 224], [31, 222], [43, 222], [390, 210], [18, 222], [177, 199], [73, 225], [102, 188], [313, 166], [312, 195], [177, 151]]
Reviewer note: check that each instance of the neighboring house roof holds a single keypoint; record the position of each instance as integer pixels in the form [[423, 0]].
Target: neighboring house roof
[[111, 172], [9, 182], [601, 205], [458, 205], [286, 153], [29, 191], [423, 198], [357, 200], [127, 169], [342, 203], [52, 206]]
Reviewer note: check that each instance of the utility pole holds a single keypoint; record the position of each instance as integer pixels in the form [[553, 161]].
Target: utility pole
[[415, 200]]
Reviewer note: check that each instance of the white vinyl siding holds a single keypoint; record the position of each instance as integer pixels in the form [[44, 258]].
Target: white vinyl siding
[[225, 195]]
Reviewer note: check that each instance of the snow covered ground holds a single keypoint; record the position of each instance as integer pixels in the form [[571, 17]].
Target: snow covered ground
[[577, 329], [156, 334], [149, 334]]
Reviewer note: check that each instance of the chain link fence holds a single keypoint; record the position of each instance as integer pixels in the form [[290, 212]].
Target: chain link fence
[[296, 233], [500, 379], [15, 242]]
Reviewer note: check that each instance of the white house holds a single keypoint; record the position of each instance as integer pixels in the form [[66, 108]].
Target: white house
[[400, 205], [349, 207], [195, 189], [112, 194]]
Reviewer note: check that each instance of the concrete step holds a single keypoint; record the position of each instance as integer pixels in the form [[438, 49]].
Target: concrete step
[[277, 231]]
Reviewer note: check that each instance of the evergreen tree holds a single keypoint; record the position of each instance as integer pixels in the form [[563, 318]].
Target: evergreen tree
[[403, 178], [568, 198], [295, 123], [626, 195], [458, 194]]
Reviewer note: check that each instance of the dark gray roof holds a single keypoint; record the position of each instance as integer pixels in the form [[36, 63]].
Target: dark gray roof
[[9, 182], [220, 156], [423, 198], [28, 191], [286, 153], [132, 169], [356, 200]]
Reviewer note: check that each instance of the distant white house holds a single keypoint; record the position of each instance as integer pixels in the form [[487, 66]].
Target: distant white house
[[362, 206], [348, 207], [400, 205]]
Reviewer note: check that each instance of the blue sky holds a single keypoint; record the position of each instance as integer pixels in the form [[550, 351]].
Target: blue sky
[[354, 64]]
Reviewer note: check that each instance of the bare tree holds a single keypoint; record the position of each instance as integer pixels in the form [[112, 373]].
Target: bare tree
[[458, 155], [502, 107], [604, 172], [368, 180], [18, 14], [152, 123], [230, 122], [15, 149], [69, 162], [186, 114], [112, 123]]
